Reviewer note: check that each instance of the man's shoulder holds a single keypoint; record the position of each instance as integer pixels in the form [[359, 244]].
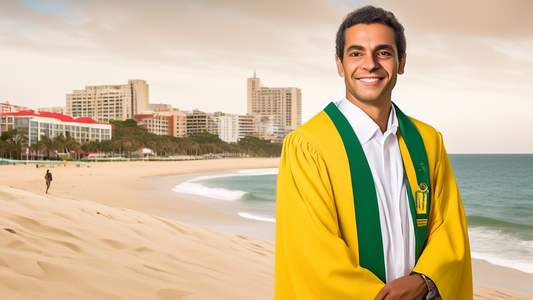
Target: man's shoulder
[[318, 132], [317, 127], [431, 137], [424, 128]]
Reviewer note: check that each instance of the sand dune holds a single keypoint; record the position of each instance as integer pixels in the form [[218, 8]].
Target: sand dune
[[56, 248]]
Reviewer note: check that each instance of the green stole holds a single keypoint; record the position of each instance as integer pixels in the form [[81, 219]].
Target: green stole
[[367, 218]]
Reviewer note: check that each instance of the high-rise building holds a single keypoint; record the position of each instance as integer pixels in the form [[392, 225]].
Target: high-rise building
[[283, 104], [109, 102]]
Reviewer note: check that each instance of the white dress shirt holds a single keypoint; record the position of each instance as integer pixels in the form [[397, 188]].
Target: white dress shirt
[[383, 154]]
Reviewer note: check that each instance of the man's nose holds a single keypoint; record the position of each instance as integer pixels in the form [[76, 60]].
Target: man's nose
[[369, 62]]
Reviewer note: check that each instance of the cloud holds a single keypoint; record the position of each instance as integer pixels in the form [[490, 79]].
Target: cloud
[[178, 33], [490, 18]]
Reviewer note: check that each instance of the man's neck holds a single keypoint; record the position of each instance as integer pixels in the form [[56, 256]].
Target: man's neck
[[377, 111]]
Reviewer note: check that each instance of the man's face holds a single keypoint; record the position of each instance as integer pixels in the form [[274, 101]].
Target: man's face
[[370, 64]]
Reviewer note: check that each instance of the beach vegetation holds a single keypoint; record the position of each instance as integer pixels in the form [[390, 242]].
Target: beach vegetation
[[13, 141]]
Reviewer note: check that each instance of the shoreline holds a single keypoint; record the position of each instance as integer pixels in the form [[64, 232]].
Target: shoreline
[[141, 186], [225, 221]]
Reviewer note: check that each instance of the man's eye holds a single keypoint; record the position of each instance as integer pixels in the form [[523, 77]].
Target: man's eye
[[384, 53], [355, 54]]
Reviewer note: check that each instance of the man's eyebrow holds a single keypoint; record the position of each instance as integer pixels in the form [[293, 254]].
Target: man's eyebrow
[[378, 47], [385, 47], [354, 47]]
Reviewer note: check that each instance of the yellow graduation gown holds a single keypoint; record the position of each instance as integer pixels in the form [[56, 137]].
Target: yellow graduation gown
[[316, 236]]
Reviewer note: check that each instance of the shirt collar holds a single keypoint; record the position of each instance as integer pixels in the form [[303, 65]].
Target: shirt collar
[[363, 126]]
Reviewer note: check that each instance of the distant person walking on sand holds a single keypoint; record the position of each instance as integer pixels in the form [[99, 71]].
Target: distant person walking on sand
[[48, 178]]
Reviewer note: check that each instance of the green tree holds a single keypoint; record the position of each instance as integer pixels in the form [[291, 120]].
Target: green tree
[[66, 143], [6, 148], [49, 145], [19, 140]]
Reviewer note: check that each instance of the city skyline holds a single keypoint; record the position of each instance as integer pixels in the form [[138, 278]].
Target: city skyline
[[468, 63]]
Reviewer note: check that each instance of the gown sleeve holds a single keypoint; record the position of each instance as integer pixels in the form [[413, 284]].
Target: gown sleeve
[[446, 257], [312, 260]]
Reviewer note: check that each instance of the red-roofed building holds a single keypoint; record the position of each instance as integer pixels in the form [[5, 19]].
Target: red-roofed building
[[37, 124]]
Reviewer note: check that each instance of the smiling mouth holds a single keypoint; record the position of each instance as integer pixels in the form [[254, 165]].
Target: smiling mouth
[[372, 79]]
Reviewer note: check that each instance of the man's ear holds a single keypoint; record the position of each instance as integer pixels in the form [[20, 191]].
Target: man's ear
[[340, 69], [401, 67]]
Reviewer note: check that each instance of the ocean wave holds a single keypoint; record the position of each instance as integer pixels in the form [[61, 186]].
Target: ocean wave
[[501, 248], [188, 187], [254, 217], [524, 231]]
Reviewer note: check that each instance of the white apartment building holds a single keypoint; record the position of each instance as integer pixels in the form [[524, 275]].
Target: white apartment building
[[37, 124], [56, 109], [109, 102], [283, 104], [247, 126], [213, 122], [229, 128], [154, 123]]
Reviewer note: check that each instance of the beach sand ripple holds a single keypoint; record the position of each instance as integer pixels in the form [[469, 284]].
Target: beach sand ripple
[[57, 248]]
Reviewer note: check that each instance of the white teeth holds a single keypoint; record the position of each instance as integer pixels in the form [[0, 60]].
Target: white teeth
[[369, 79]]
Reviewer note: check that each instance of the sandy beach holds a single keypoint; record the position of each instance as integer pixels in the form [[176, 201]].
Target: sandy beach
[[117, 231]]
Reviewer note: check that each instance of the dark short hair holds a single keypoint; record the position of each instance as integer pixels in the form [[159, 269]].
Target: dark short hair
[[369, 14]]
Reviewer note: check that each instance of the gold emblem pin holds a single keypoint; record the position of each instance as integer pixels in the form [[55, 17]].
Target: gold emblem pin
[[422, 199]]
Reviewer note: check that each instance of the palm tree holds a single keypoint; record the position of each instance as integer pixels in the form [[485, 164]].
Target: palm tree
[[107, 146], [126, 144], [37, 148], [50, 145], [251, 146], [174, 146], [66, 143], [6, 147], [19, 140]]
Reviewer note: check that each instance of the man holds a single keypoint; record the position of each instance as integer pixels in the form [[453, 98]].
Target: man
[[48, 179], [367, 205]]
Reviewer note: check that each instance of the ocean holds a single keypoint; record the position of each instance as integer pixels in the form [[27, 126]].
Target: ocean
[[497, 193]]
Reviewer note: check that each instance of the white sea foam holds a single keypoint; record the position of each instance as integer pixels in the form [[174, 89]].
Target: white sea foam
[[188, 187], [501, 249], [257, 172], [254, 217], [252, 172]]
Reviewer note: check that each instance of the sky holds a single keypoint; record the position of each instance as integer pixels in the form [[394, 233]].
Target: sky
[[469, 70]]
